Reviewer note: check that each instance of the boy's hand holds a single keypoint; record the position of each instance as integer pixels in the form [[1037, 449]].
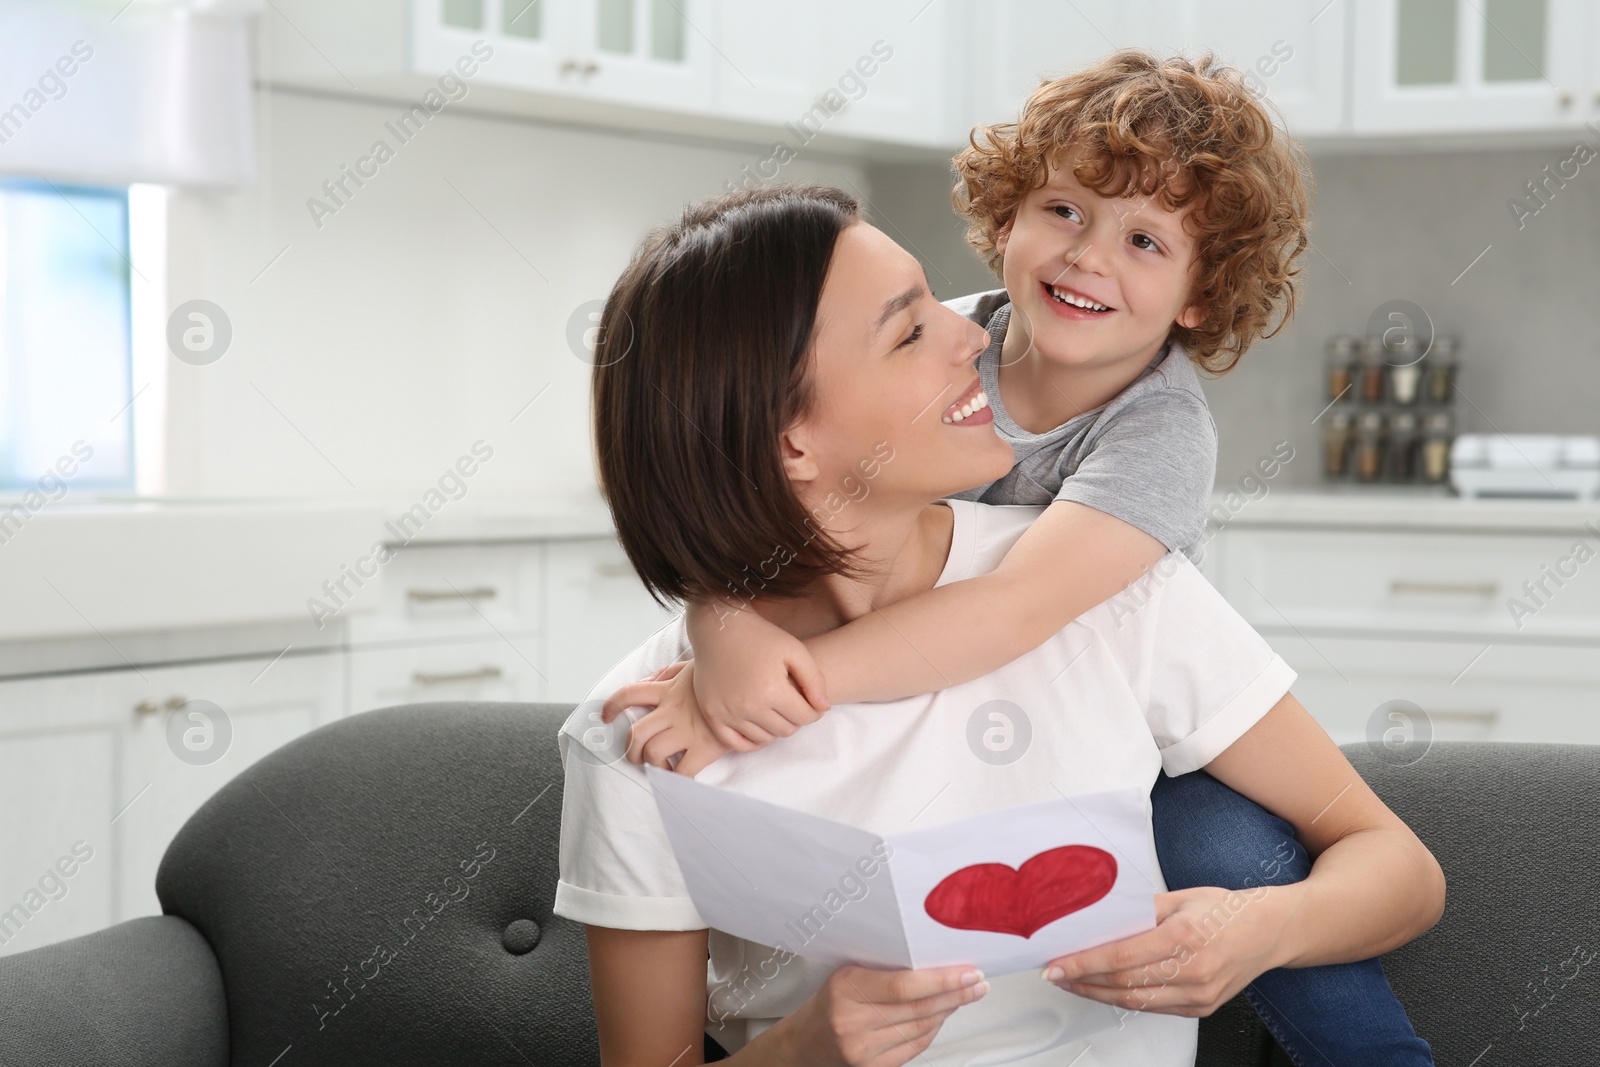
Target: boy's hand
[[675, 725], [755, 681]]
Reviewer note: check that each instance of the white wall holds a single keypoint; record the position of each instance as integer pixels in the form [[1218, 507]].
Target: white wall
[[410, 325]]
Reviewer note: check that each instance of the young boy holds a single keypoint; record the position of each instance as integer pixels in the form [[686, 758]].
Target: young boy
[[1145, 216]]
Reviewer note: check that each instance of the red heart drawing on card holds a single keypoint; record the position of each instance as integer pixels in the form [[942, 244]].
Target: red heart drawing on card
[[1022, 900]]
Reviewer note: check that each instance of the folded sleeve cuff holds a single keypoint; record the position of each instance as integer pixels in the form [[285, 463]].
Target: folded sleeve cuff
[[626, 912], [1231, 723]]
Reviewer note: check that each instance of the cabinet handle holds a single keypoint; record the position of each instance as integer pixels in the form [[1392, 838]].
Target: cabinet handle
[[568, 66], [152, 707], [1399, 588], [1482, 718], [591, 68], [427, 596], [1566, 100], [614, 570], [482, 674]]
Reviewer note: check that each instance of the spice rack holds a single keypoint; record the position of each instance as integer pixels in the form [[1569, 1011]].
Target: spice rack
[[1394, 409]]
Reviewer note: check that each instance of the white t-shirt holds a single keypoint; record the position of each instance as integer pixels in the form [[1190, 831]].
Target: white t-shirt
[[1165, 674]]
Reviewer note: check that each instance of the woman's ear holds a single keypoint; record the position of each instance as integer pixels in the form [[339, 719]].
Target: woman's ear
[[799, 460]]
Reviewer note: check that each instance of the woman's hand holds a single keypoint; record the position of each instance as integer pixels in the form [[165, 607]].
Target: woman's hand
[[863, 1017], [756, 681], [675, 725], [1207, 945]]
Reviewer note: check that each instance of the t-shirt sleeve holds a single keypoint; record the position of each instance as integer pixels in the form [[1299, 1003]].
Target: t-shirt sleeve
[[1202, 675], [616, 863], [1153, 466]]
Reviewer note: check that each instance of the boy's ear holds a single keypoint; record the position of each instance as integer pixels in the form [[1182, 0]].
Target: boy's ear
[[1004, 236], [1191, 316]]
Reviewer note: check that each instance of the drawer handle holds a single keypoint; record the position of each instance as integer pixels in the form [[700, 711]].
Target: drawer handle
[[1485, 589], [614, 570], [482, 674], [428, 596], [151, 707], [1479, 718]]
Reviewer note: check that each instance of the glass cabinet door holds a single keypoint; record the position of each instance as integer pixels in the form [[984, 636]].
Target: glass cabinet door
[[523, 40], [647, 52], [1508, 45], [1439, 65]]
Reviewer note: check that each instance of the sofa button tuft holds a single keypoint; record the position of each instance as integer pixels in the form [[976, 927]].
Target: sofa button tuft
[[520, 936]]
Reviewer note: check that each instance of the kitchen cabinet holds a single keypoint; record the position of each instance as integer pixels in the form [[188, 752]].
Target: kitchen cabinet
[[918, 74], [95, 757], [895, 71], [880, 71], [598, 613], [649, 52], [504, 668], [99, 756], [1292, 52], [452, 592], [1484, 619], [1430, 66], [1454, 584], [1466, 691]]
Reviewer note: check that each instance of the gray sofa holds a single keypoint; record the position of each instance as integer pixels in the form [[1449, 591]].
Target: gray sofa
[[379, 891]]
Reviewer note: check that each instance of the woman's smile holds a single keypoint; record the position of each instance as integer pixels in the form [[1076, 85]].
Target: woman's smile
[[971, 408]]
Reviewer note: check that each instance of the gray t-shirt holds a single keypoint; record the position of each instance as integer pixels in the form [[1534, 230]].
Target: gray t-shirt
[[1148, 456]]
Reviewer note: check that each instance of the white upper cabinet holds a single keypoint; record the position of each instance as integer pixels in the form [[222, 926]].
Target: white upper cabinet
[[1020, 42], [921, 73], [1292, 51], [887, 70], [1426, 66], [652, 53]]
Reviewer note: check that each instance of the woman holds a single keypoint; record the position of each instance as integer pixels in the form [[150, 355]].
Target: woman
[[763, 388]]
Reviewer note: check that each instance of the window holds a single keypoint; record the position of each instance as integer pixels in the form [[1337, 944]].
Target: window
[[65, 335]]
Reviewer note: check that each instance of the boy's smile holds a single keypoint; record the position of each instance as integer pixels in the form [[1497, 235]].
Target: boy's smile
[[1096, 284]]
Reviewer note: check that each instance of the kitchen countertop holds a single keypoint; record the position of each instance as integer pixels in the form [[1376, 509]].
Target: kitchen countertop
[[81, 571], [86, 567], [1401, 511]]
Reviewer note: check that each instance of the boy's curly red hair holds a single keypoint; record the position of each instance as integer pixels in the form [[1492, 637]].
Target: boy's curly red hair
[[1186, 132]]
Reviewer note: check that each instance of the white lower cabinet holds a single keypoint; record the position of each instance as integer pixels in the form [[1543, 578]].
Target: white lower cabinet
[[99, 770], [499, 669], [1485, 635], [597, 612], [1465, 691]]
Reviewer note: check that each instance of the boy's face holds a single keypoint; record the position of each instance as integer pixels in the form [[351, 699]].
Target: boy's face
[[1131, 255]]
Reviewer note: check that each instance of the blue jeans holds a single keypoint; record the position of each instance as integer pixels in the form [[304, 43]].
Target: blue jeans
[[1330, 1016]]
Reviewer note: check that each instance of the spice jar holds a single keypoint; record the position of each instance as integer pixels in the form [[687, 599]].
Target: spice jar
[[1405, 370], [1341, 366], [1438, 436], [1402, 447], [1336, 445], [1369, 447], [1440, 381], [1369, 386]]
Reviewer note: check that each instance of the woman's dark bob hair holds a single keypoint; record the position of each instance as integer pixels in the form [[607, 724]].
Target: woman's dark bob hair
[[701, 361]]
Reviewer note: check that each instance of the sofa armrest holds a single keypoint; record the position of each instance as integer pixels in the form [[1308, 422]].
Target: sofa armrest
[[146, 991]]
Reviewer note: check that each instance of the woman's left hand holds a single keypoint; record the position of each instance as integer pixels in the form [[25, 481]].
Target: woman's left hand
[[1207, 945]]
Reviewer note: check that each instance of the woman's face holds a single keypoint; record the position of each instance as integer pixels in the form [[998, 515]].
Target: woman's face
[[890, 366]]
